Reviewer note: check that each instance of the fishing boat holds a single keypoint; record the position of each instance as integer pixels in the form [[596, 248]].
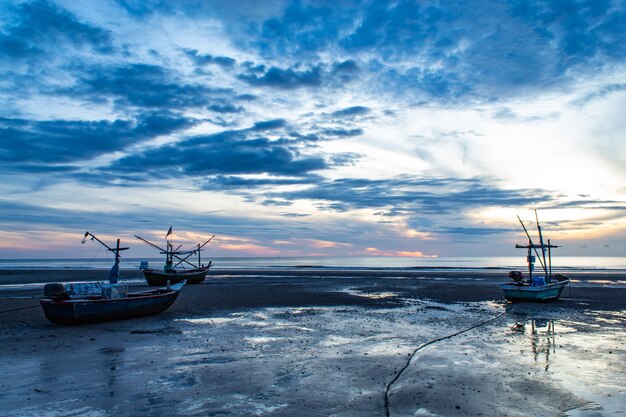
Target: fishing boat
[[196, 275], [89, 302], [536, 287]]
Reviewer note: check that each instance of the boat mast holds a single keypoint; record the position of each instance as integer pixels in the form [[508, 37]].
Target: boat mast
[[550, 257], [543, 249], [169, 252], [530, 243], [115, 270], [529, 259]]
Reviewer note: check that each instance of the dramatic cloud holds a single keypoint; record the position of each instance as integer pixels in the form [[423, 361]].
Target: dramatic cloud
[[228, 152], [143, 85], [39, 28], [284, 78], [351, 111], [59, 141], [208, 59], [427, 124], [415, 195]]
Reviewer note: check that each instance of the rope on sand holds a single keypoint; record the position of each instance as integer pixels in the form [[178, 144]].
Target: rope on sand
[[18, 309], [423, 345]]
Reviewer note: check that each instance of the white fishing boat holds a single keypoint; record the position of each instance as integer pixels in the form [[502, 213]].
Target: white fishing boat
[[535, 287]]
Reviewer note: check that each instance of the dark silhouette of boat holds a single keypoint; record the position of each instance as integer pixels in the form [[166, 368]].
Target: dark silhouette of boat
[[196, 275], [82, 303], [159, 278], [96, 308]]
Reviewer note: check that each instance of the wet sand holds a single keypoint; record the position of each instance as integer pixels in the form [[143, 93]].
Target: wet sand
[[311, 343]]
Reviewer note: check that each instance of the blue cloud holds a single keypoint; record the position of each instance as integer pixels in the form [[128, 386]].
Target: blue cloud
[[601, 92], [479, 232], [289, 78], [228, 152], [416, 195], [268, 125], [62, 141], [310, 28], [225, 108], [341, 132], [207, 59], [39, 28], [233, 182], [483, 49], [346, 71], [398, 54], [142, 85], [352, 111]]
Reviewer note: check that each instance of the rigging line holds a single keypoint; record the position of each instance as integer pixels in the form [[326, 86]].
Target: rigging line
[[423, 345], [95, 255]]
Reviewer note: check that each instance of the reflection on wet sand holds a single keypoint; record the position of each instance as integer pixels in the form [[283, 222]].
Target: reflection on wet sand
[[306, 346], [542, 338]]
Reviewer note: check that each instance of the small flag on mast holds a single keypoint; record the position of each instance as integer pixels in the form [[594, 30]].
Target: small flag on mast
[[169, 232]]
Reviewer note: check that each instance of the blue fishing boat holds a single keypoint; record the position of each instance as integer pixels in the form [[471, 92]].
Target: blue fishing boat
[[536, 287]]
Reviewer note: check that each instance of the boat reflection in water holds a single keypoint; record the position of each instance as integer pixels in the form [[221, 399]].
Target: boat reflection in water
[[542, 339]]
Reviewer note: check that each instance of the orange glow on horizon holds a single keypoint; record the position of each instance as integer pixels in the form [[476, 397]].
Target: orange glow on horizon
[[256, 250], [327, 244], [407, 254]]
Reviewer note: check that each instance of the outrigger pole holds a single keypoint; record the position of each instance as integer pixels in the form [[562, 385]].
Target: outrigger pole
[[194, 251], [113, 275], [166, 252]]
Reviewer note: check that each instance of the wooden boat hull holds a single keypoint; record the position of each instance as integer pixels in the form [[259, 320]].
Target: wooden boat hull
[[94, 310], [526, 292], [159, 278]]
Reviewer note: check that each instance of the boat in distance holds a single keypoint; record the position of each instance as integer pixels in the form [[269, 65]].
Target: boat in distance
[[539, 287], [159, 278], [93, 302], [196, 275]]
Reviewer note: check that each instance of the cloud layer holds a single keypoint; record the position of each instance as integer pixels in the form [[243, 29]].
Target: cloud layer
[[353, 119]]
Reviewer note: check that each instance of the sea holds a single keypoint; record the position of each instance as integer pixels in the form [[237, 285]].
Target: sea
[[562, 263]]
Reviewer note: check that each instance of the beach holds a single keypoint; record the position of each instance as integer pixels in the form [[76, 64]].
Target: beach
[[302, 342]]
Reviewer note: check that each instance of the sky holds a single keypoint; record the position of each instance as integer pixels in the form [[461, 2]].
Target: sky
[[313, 128]]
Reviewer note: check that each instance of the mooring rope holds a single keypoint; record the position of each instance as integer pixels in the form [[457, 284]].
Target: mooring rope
[[423, 345]]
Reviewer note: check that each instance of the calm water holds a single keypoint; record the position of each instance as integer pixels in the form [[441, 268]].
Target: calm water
[[454, 263]]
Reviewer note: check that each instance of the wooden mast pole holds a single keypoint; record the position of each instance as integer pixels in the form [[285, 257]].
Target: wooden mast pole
[[530, 264], [543, 249], [530, 241], [550, 258]]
